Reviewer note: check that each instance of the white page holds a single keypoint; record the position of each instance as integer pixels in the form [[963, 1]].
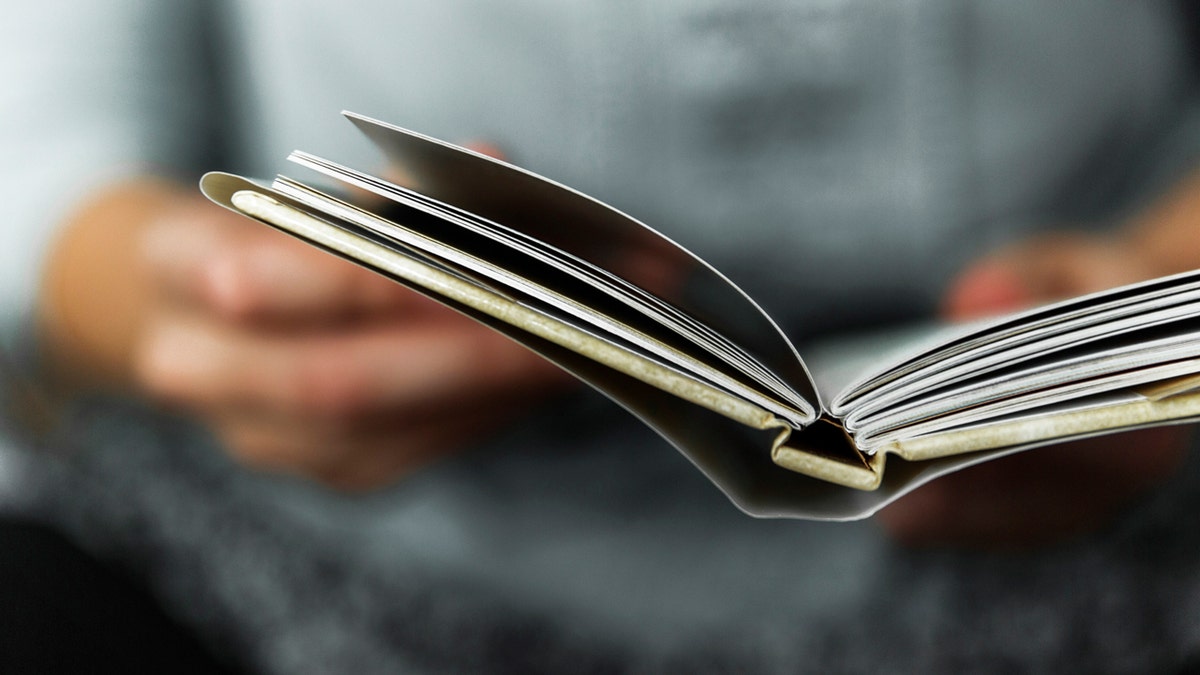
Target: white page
[[589, 230], [596, 324], [1004, 338], [613, 288]]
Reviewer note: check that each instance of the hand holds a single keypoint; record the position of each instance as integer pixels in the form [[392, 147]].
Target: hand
[[299, 361], [1048, 493]]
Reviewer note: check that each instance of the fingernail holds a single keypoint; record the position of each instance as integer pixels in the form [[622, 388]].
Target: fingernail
[[225, 289], [988, 288]]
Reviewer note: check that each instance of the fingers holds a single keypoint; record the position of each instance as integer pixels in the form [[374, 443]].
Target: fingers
[[354, 407], [404, 366], [1042, 269], [991, 286], [304, 363], [358, 458], [1050, 493], [247, 272]]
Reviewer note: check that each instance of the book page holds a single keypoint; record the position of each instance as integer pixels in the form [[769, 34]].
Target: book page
[[520, 322], [527, 265], [590, 231], [1026, 335], [1124, 410], [838, 361], [539, 287]]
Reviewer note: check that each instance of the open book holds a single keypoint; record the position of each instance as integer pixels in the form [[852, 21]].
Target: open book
[[676, 343]]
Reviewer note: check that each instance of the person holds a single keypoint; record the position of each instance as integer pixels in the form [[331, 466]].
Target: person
[[879, 156]]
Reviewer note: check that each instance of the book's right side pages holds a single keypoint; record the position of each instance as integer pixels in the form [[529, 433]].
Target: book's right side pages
[[1117, 360]]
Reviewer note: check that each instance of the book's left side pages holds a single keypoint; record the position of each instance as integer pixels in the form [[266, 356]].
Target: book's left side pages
[[728, 439]]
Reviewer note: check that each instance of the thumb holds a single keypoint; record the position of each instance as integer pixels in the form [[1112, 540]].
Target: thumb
[[487, 148], [990, 286], [1041, 269]]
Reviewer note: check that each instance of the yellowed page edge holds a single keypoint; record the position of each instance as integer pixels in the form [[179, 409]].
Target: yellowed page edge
[[1065, 425], [1168, 388], [266, 209]]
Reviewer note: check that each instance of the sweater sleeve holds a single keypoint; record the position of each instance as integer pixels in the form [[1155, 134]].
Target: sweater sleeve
[[93, 92]]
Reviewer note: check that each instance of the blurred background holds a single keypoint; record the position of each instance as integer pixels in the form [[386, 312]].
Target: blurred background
[[227, 452]]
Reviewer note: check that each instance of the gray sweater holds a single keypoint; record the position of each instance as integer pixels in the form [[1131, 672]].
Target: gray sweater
[[841, 158]]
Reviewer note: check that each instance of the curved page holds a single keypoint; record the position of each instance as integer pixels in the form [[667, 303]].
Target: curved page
[[591, 231]]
